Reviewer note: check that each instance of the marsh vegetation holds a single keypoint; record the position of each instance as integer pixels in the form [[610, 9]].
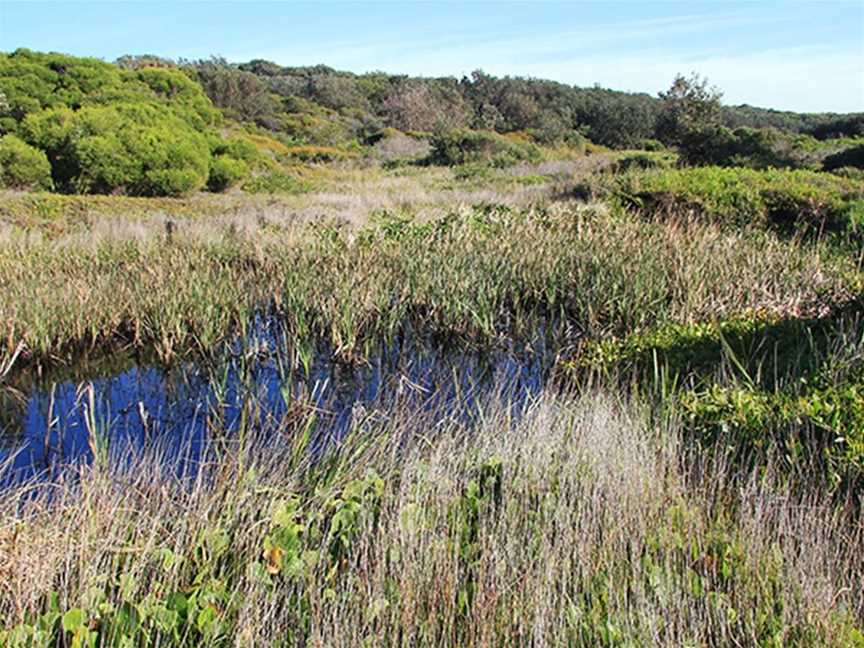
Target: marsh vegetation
[[505, 382]]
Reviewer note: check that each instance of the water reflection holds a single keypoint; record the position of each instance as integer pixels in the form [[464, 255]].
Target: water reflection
[[53, 425]]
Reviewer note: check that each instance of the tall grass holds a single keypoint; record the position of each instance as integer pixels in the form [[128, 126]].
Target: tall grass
[[476, 274], [574, 523]]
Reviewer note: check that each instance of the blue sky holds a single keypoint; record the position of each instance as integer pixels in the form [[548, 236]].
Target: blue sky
[[806, 56]]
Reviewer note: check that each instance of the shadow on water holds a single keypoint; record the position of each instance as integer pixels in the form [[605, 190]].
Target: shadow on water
[[261, 381]]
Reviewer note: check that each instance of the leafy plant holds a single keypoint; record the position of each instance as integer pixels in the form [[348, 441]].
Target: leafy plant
[[23, 166]]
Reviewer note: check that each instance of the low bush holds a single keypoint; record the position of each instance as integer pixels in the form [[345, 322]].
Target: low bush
[[776, 198], [651, 145], [23, 166], [238, 148], [315, 154], [274, 182], [464, 147], [320, 130], [636, 161], [852, 173], [473, 172], [226, 172], [756, 148]]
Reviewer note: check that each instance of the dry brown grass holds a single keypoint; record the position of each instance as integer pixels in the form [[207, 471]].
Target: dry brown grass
[[578, 525]]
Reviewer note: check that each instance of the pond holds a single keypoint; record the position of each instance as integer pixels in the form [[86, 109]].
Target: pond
[[54, 422]]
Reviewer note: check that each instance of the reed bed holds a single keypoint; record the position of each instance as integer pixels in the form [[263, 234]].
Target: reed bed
[[576, 520], [478, 273]]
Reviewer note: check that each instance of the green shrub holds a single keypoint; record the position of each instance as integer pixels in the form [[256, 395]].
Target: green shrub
[[634, 161], [241, 148], [742, 196], [651, 145], [327, 130], [32, 81], [138, 149], [473, 172], [315, 154], [757, 148], [179, 91], [238, 148], [465, 146], [273, 182], [226, 172], [109, 130], [23, 166], [851, 173]]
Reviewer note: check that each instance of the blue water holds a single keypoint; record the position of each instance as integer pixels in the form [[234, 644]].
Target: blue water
[[179, 408]]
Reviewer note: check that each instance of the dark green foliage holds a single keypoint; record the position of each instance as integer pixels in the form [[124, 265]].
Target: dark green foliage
[[690, 120], [551, 111], [615, 119], [851, 157], [748, 147], [834, 126], [689, 106], [822, 126], [240, 94], [651, 145], [23, 166], [756, 148], [643, 161]]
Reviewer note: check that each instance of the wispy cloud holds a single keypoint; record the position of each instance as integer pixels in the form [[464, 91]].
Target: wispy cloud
[[639, 55], [455, 46]]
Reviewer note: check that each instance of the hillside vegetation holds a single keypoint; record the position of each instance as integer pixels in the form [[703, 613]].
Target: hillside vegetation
[[151, 127]]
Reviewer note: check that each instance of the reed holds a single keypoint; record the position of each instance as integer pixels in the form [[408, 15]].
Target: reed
[[572, 521], [477, 274]]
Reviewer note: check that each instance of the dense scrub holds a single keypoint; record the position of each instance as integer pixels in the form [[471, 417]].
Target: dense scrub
[[151, 127], [481, 101], [97, 128], [787, 200]]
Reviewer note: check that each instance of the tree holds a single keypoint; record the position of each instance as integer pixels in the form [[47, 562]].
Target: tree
[[689, 104], [240, 94], [691, 117], [426, 105]]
